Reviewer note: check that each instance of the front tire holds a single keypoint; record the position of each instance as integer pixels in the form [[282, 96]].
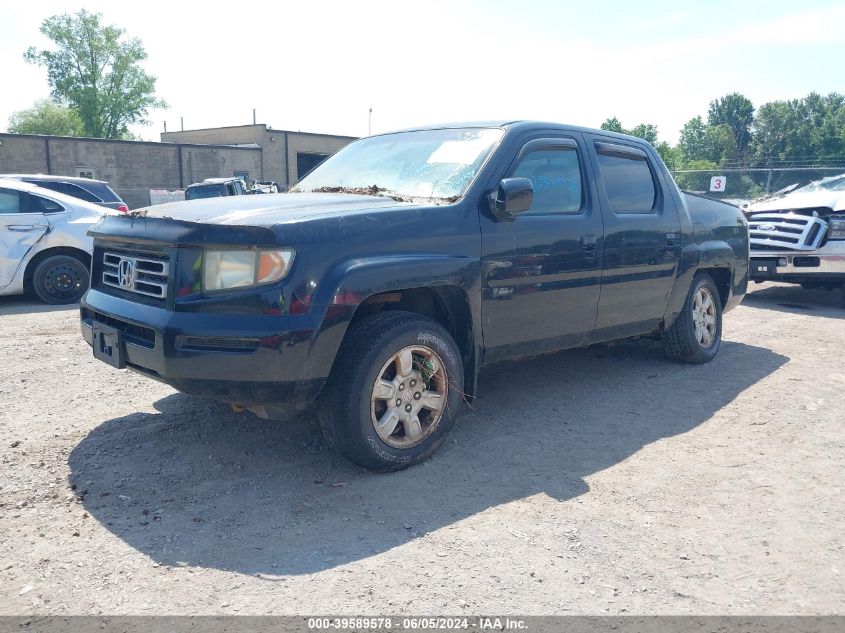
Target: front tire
[[696, 335], [394, 392], [60, 279]]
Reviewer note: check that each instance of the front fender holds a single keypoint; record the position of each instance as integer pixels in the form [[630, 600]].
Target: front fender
[[351, 283]]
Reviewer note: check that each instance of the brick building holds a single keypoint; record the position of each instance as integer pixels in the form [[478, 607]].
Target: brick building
[[133, 168], [287, 155]]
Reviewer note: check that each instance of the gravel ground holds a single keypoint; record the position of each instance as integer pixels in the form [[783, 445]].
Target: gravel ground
[[605, 480]]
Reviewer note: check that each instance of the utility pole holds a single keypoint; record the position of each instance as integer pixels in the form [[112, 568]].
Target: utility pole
[[370, 123], [253, 116], [182, 121]]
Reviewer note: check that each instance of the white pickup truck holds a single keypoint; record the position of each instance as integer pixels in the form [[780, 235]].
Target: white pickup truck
[[799, 236]]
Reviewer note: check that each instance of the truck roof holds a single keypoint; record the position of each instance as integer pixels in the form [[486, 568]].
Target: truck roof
[[515, 124]]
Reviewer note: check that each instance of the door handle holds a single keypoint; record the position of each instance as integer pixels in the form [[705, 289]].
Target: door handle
[[25, 227], [588, 245]]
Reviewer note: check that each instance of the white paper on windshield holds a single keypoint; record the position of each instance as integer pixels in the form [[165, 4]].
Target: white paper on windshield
[[459, 152]]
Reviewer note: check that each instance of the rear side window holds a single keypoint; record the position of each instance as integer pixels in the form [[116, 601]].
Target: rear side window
[[102, 191], [79, 192], [628, 182], [10, 201], [556, 177], [68, 189], [43, 205]]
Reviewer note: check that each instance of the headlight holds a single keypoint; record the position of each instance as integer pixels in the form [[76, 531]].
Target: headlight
[[836, 228], [237, 269]]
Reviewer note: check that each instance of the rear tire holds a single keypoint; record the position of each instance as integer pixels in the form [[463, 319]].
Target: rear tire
[[696, 335], [394, 392], [60, 279]]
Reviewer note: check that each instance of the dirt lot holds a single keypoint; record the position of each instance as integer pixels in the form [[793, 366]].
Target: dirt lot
[[606, 480]]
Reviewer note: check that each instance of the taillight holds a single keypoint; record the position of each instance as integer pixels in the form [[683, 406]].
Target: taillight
[[123, 208]]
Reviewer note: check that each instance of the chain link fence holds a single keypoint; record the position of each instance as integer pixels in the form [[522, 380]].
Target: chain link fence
[[736, 184]]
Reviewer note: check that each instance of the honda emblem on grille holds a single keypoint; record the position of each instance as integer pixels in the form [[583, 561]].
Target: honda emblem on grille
[[126, 273], [766, 227]]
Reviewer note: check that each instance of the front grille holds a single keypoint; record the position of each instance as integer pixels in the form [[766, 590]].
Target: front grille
[[791, 231], [135, 272]]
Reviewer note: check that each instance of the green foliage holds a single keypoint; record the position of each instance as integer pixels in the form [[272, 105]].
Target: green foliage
[[97, 73], [811, 128], [670, 155], [692, 143], [46, 117], [613, 125], [808, 128], [737, 112], [645, 131]]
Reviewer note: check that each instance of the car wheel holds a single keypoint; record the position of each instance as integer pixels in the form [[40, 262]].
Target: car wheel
[[60, 279], [394, 392], [696, 335]]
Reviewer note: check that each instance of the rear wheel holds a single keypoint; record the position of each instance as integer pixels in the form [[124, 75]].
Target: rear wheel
[[60, 279], [394, 392], [696, 335]]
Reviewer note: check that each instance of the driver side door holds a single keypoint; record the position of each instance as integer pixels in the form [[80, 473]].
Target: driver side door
[[542, 270]]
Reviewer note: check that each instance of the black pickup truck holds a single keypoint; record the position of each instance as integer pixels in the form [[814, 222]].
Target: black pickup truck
[[382, 282]]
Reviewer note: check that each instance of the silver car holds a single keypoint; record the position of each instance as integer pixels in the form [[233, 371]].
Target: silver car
[[44, 246]]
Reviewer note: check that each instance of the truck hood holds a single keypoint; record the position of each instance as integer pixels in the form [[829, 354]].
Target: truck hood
[[800, 200], [265, 209]]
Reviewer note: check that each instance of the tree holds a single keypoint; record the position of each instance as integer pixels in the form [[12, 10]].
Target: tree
[[46, 117], [737, 112], [96, 73], [613, 125], [808, 128], [645, 131], [692, 143], [720, 143]]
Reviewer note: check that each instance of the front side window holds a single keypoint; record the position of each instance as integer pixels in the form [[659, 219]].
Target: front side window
[[436, 165], [628, 183], [556, 177]]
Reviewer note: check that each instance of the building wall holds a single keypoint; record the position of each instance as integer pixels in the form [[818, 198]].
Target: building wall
[[279, 147], [131, 168]]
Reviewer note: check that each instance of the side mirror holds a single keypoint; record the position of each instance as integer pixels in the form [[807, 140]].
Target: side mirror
[[513, 196]]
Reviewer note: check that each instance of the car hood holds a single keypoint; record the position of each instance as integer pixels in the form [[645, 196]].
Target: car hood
[[800, 200], [265, 209]]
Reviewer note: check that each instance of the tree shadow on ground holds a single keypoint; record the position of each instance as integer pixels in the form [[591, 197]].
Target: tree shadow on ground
[[196, 484]]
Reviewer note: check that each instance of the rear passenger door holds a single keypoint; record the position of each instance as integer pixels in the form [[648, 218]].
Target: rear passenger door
[[542, 270], [23, 222], [641, 238]]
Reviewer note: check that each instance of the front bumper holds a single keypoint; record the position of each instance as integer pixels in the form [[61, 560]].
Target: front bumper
[[827, 262], [240, 358]]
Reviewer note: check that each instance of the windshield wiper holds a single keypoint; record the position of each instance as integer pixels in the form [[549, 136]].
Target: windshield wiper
[[375, 190]]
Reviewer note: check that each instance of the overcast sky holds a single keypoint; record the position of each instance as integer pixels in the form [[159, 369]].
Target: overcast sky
[[319, 66]]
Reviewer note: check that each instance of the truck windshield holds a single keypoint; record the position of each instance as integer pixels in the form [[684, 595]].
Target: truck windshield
[[431, 164], [834, 183], [203, 191]]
